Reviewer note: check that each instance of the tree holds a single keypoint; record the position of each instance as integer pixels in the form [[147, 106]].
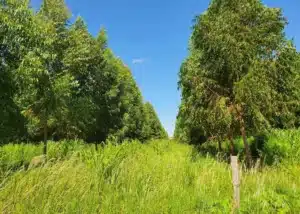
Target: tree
[[55, 11], [15, 38], [232, 44], [153, 128], [130, 106], [81, 60], [45, 86], [105, 94], [59, 81], [203, 113]]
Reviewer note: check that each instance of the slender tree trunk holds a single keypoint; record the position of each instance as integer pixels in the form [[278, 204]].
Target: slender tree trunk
[[45, 138], [230, 138], [247, 149], [96, 146], [244, 136], [219, 145]]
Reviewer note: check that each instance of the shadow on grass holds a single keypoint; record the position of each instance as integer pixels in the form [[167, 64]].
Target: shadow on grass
[[211, 149]]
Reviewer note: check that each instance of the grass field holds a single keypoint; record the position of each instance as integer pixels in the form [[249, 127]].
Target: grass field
[[157, 177]]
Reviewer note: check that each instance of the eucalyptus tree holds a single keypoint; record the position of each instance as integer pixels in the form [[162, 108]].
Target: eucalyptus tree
[[131, 107], [80, 59], [15, 38], [233, 44], [59, 81], [153, 128], [45, 86]]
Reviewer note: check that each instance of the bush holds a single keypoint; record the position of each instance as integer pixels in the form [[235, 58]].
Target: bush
[[275, 147], [282, 145]]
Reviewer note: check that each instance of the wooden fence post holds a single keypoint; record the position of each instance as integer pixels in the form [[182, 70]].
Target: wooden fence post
[[235, 182]]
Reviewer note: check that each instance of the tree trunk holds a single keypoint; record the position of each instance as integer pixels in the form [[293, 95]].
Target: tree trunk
[[244, 136], [45, 138], [230, 138], [96, 146], [247, 149], [219, 145]]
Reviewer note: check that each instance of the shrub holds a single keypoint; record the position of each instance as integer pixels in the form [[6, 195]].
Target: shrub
[[282, 145]]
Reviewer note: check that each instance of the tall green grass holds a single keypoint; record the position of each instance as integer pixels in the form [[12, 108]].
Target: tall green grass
[[157, 177], [16, 156]]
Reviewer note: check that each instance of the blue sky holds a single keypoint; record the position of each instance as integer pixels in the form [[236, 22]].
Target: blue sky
[[151, 36]]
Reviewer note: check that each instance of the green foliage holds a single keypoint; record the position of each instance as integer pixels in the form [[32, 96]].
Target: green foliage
[[59, 82], [15, 36], [162, 176], [153, 128], [130, 106], [55, 11], [282, 146], [241, 77], [276, 147]]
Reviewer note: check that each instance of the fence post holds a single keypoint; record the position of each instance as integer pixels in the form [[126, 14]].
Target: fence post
[[235, 182]]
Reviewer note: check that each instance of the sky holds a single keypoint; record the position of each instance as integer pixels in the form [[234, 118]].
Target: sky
[[151, 37]]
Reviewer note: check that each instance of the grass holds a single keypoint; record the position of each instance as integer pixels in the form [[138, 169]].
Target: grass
[[157, 177], [16, 156]]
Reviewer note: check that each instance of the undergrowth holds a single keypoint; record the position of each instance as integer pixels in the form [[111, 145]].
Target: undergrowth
[[157, 177]]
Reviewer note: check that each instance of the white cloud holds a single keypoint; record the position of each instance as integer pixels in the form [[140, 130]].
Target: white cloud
[[138, 61]]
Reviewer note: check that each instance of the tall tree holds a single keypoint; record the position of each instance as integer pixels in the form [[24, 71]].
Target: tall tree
[[233, 44], [60, 81], [55, 11], [131, 105], [15, 38], [81, 60], [45, 86], [153, 128]]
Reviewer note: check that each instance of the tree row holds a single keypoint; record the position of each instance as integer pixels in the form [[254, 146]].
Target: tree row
[[57, 81]]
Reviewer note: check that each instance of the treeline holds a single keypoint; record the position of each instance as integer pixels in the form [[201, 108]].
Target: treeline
[[242, 75], [57, 81]]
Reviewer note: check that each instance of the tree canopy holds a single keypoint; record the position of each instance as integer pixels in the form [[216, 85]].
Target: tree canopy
[[58, 81], [241, 76]]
